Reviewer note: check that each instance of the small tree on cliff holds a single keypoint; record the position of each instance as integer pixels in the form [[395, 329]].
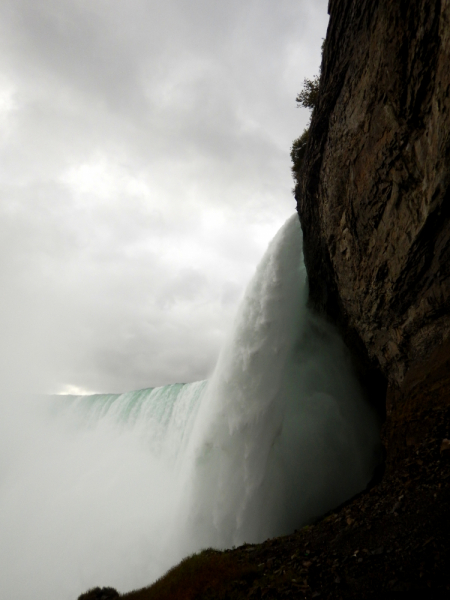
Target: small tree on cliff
[[307, 98], [309, 94], [298, 152]]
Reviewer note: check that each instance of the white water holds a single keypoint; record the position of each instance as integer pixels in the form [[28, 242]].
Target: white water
[[115, 489]]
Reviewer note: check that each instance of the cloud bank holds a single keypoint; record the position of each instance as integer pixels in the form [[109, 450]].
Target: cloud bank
[[144, 168]]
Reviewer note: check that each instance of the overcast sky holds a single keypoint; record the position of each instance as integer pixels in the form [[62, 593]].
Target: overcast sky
[[144, 167]]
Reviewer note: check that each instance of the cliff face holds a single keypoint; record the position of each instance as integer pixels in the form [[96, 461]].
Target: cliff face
[[374, 197]]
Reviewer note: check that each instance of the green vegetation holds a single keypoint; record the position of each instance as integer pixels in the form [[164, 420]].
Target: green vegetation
[[309, 94], [307, 98], [298, 153], [210, 575]]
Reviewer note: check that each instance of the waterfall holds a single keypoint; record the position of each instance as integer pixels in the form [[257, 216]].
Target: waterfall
[[113, 489]]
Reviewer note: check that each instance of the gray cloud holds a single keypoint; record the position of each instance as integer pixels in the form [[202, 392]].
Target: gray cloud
[[145, 166]]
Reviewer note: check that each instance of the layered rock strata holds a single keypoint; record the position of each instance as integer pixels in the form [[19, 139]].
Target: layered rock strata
[[374, 191]]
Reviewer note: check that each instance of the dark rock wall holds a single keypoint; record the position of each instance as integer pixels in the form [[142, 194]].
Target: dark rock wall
[[374, 192]]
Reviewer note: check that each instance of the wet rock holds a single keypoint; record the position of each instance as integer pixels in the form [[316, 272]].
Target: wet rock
[[445, 448], [373, 200]]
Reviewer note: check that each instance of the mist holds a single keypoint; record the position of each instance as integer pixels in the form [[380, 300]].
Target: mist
[[145, 168], [115, 489]]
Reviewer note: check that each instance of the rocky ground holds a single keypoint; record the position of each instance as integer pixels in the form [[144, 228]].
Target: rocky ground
[[394, 537], [390, 539]]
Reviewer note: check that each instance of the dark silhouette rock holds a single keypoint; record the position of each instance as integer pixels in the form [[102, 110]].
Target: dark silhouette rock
[[106, 593]]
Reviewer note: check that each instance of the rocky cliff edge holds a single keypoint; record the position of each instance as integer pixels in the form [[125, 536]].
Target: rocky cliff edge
[[374, 200]]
